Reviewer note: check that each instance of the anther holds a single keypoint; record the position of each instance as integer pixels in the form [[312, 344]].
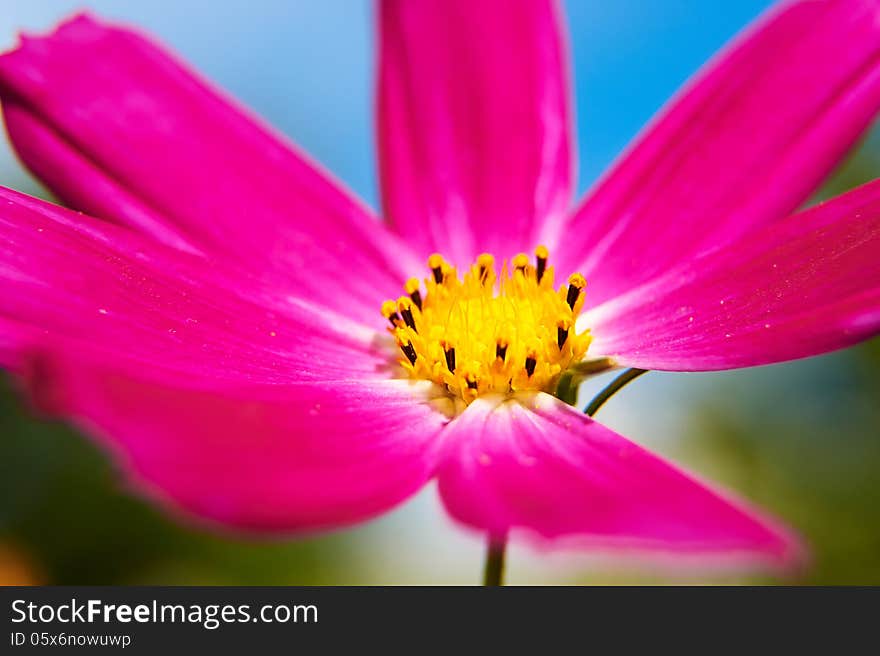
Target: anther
[[486, 263], [501, 345], [531, 362], [412, 288], [389, 311], [561, 336], [520, 262], [403, 303], [435, 262], [576, 283], [541, 255], [409, 352], [450, 358]]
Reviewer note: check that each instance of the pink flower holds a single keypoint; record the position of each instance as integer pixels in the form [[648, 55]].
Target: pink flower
[[217, 323]]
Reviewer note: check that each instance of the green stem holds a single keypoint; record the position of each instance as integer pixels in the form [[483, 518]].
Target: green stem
[[615, 386], [566, 390], [493, 572]]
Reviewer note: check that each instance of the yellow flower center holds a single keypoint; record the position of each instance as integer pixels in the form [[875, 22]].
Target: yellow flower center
[[488, 331]]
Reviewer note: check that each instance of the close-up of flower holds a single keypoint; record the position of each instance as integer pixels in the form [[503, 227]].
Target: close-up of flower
[[262, 354]]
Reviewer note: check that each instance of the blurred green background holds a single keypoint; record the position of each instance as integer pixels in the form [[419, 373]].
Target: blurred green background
[[800, 439]]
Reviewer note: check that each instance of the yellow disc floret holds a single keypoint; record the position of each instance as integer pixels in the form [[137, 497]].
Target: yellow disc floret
[[489, 331]]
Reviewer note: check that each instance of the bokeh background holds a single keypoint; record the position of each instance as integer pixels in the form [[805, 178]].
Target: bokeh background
[[801, 439]]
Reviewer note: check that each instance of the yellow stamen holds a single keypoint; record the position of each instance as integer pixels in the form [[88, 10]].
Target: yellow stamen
[[438, 267], [489, 331], [412, 288], [389, 311], [521, 261], [412, 285], [573, 297]]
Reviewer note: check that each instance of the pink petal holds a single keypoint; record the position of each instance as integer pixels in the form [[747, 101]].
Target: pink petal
[[119, 129], [275, 458], [66, 277], [536, 464], [79, 181], [473, 123], [744, 144], [12, 336], [800, 287], [221, 398]]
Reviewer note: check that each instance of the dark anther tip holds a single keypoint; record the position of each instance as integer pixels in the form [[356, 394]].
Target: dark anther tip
[[540, 268], [408, 318], [572, 297], [409, 352], [561, 336], [450, 359]]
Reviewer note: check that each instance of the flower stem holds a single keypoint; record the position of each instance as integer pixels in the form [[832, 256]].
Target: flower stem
[[615, 386], [493, 571]]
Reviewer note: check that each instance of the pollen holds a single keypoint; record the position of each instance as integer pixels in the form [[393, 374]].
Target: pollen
[[491, 330]]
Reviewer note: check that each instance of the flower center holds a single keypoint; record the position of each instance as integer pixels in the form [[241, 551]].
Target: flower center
[[488, 331]]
